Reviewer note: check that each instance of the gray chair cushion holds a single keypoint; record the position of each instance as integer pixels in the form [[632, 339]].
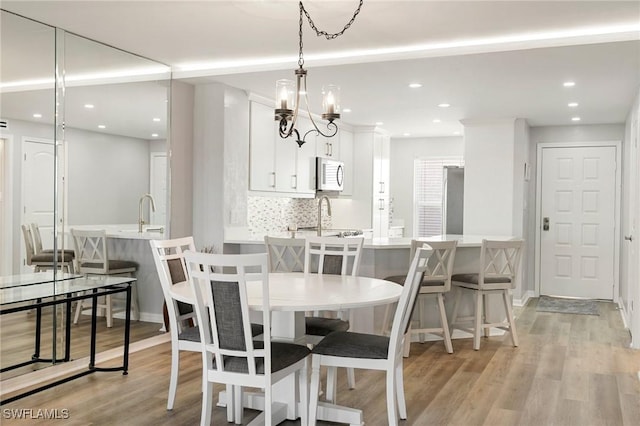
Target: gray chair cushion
[[66, 252], [353, 345], [282, 356], [318, 326], [175, 271], [113, 265], [191, 334], [256, 329], [45, 257], [399, 279], [473, 279], [226, 300]]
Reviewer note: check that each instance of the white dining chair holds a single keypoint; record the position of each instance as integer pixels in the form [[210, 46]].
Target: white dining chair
[[374, 352], [231, 356], [338, 256], [435, 284], [499, 265], [168, 256], [44, 260], [92, 258]]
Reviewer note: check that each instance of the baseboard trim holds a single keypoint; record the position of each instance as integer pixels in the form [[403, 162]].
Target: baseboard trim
[[525, 298]]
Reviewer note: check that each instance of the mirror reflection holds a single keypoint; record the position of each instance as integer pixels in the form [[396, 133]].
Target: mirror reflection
[[111, 151]]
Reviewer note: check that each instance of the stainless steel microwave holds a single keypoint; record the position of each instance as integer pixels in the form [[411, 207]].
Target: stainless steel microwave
[[329, 174]]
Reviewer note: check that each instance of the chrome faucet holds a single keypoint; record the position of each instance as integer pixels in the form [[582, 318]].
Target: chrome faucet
[[324, 197], [153, 208]]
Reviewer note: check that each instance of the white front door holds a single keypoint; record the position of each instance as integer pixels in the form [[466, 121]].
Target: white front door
[[577, 210]]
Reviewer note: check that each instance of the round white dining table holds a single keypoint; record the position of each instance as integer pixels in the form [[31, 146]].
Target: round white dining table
[[290, 295]]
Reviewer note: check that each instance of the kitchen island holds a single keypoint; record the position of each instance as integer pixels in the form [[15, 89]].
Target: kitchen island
[[124, 242], [384, 257]]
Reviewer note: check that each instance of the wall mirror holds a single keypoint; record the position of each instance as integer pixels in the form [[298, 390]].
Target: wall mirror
[[87, 145]]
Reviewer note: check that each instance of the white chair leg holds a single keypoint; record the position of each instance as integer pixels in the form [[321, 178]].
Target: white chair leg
[[268, 406], [485, 314], [76, 317], [351, 378], [135, 310], [173, 378], [402, 405], [238, 407], [109, 310], [512, 323], [445, 326], [385, 320], [207, 405], [420, 303], [456, 306], [477, 330], [332, 383], [392, 407], [406, 344], [314, 390], [303, 384]]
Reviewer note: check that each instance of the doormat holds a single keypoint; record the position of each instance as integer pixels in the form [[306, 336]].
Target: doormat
[[567, 306]]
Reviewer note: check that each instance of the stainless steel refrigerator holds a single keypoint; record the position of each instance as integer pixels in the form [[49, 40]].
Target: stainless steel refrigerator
[[453, 193]]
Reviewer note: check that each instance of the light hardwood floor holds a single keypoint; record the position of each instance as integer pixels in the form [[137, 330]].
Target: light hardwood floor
[[568, 370]]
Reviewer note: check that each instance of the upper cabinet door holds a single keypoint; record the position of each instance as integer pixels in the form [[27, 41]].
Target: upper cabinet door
[[346, 156], [262, 148]]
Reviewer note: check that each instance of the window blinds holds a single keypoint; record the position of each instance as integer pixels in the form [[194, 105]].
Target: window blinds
[[428, 194]]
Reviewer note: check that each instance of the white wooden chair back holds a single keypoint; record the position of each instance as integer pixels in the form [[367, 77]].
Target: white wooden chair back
[[168, 256], [440, 264], [340, 256], [499, 262], [404, 309], [219, 283], [285, 254], [91, 252], [37, 238], [28, 244]]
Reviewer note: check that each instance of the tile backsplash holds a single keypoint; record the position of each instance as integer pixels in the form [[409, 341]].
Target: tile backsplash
[[270, 214]]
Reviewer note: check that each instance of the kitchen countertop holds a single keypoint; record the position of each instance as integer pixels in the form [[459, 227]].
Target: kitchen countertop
[[127, 231], [386, 243]]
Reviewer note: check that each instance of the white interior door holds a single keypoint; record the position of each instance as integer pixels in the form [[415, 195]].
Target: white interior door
[[38, 188], [158, 188], [577, 210]]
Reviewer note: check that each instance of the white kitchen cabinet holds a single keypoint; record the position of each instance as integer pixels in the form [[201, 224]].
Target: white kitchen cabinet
[[346, 156], [371, 180], [262, 158], [276, 164], [327, 147]]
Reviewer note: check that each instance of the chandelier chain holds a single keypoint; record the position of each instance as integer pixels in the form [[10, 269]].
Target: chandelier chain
[[328, 36]]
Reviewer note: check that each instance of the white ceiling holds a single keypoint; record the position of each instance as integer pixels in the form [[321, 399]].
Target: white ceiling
[[486, 59]]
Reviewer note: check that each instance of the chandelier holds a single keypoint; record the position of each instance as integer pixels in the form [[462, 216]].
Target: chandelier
[[288, 92]]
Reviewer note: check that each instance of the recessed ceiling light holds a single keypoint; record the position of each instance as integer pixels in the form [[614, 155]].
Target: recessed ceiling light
[[156, 119], [415, 85], [36, 115], [575, 118], [444, 105], [569, 83], [101, 126], [154, 135], [379, 123], [346, 109], [572, 104], [89, 106], [406, 134], [437, 120]]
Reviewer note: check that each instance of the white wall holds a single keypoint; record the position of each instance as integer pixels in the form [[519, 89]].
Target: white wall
[[489, 153], [403, 153]]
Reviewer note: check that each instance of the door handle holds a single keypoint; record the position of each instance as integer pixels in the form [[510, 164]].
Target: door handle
[[628, 238], [545, 224]]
